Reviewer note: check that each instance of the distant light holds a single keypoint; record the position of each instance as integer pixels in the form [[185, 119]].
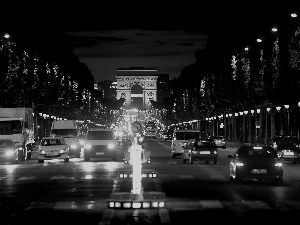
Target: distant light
[[258, 40], [293, 15], [246, 49], [274, 29], [6, 36]]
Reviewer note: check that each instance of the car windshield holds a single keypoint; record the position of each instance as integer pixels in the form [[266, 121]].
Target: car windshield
[[6, 143], [261, 152], [204, 142], [100, 135], [186, 135], [286, 140], [51, 142]]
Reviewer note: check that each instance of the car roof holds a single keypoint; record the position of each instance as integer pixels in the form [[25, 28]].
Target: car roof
[[53, 137], [187, 130], [100, 129]]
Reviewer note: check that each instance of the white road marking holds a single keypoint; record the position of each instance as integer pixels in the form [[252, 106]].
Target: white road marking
[[27, 178]]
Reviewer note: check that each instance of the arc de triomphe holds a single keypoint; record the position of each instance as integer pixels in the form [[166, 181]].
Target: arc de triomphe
[[145, 78]]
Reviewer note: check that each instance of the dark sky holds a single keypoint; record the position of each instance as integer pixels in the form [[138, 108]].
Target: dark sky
[[107, 36]]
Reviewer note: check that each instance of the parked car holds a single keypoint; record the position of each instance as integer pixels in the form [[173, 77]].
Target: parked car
[[287, 147], [255, 162], [180, 138], [8, 151], [220, 141], [100, 143], [53, 147], [200, 149]]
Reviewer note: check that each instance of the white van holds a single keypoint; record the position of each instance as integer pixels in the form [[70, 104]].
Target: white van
[[68, 129], [180, 137], [100, 143]]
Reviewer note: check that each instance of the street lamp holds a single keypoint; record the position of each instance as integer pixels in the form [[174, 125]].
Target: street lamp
[[267, 134], [288, 118]]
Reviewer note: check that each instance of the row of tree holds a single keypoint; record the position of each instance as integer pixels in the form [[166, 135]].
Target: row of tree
[[230, 77]]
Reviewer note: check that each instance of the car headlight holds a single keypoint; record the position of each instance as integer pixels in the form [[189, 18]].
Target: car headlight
[[111, 146], [278, 164], [73, 146], [239, 164], [9, 152], [42, 152], [62, 151], [87, 146]]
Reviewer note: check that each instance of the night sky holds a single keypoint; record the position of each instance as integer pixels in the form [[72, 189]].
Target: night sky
[[148, 34]]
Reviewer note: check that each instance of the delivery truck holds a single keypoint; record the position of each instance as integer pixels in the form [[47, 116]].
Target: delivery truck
[[17, 124]]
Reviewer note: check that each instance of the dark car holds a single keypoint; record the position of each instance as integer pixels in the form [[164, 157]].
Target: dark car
[[287, 147], [168, 135], [255, 162], [200, 149], [220, 141], [8, 151]]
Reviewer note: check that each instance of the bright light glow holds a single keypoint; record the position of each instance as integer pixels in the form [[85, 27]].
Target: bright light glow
[[258, 110], [278, 108], [155, 204], [126, 204], [294, 15], [268, 109], [257, 147], [111, 146], [10, 152], [135, 157], [146, 204], [136, 205], [278, 164], [6, 36], [274, 29], [73, 146], [287, 106], [62, 151], [239, 164], [258, 40], [87, 146]]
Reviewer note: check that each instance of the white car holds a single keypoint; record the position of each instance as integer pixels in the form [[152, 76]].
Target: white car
[[53, 147]]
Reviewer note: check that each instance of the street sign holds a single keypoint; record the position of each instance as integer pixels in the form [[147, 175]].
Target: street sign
[[136, 127]]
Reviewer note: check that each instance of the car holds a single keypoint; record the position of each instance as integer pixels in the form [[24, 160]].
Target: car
[[53, 147], [220, 141], [168, 135], [287, 147], [200, 149], [100, 143], [8, 151], [260, 163], [180, 138]]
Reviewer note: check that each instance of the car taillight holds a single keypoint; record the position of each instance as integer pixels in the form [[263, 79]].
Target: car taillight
[[279, 164]]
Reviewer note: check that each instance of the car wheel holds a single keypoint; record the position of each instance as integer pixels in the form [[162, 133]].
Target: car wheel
[[29, 156], [215, 161], [67, 160], [40, 161], [87, 159], [191, 159], [294, 161], [207, 162], [173, 156], [183, 160]]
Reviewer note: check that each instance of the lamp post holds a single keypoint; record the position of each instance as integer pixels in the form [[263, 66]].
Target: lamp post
[[288, 119], [257, 126], [267, 134]]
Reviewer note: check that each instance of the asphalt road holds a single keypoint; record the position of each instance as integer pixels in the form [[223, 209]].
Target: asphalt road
[[76, 192]]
